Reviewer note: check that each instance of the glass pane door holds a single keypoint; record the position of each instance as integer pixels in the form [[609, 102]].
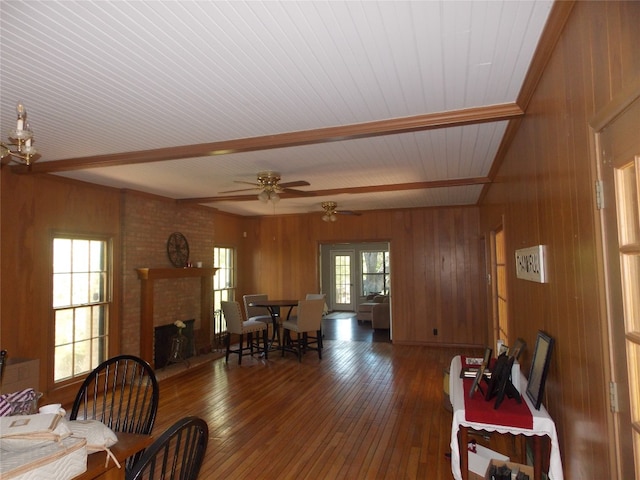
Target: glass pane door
[[627, 181], [342, 271], [618, 165]]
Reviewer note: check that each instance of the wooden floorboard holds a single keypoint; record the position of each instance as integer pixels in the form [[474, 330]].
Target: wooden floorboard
[[367, 410]]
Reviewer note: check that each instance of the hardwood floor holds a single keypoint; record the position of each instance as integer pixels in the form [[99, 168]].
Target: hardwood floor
[[344, 326], [366, 410]]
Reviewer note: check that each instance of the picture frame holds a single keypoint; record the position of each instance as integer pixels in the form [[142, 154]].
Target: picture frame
[[505, 385], [486, 359], [518, 348], [539, 368], [499, 374], [476, 381], [481, 373], [472, 371], [500, 381]]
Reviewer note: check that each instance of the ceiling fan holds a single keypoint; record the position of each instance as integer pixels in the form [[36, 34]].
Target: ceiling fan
[[330, 212], [269, 185]]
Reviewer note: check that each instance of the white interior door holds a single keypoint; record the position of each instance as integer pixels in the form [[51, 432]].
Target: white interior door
[[342, 280]]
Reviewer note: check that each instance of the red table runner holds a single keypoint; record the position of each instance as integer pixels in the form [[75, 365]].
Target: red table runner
[[510, 413]]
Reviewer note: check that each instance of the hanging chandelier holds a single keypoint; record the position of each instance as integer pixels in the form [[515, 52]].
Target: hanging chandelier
[[20, 146]]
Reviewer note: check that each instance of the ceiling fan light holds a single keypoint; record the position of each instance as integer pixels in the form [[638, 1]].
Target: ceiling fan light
[[263, 196], [333, 218], [275, 198], [326, 218]]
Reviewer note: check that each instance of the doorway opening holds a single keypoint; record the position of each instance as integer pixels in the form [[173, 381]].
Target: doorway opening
[[350, 273], [499, 286]]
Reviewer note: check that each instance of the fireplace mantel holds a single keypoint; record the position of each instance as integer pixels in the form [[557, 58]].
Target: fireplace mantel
[[147, 276], [165, 273]]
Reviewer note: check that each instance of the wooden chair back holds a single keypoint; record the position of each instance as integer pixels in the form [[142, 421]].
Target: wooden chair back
[[176, 455]]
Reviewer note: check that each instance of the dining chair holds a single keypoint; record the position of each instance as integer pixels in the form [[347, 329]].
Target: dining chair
[[236, 325], [263, 314], [325, 309], [307, 321], [316, 296], [176, 455], [260, 314], [122, 392]]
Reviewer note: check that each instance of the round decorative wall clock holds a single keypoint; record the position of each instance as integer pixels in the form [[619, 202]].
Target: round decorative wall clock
[[178, 250]]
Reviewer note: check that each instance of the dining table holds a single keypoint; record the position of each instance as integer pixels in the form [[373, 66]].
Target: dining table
[[98, 467], [274, 306]]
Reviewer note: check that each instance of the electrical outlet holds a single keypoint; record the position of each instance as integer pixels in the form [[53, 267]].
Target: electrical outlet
[[435, 331]]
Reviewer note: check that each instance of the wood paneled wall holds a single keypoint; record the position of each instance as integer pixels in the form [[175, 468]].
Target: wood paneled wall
[[545, 191], [437, 272], [33, 209]]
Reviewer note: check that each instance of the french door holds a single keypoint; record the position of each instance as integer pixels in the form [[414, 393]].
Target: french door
[[618, 145], [343, 275]]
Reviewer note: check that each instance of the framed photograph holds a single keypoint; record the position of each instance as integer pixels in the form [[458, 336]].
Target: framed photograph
[[505, 387], [472, 371], [482, 373], [499, 374], [517, 348], [500, 384], [539, 368], [487, 356], [476, 381]]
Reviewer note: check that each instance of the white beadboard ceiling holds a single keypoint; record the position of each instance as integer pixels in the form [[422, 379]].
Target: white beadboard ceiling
[[100, 78]]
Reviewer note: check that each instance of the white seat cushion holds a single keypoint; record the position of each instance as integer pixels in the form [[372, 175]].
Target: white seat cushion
[[261, 318], [253, 326]]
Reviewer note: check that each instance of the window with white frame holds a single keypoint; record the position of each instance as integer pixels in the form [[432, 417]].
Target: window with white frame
[[81, 301], [224, 280]]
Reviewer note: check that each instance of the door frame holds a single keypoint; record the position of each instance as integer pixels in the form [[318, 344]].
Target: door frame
[[342, 252], [492, 284], [326, 281], [615, 367]]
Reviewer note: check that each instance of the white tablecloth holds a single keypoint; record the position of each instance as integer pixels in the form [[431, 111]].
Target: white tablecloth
[[543, 424]]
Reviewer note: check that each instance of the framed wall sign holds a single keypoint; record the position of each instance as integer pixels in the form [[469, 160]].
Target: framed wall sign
[[531, 264]]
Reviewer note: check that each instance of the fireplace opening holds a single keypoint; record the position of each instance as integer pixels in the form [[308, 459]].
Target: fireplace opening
[[162, 342]]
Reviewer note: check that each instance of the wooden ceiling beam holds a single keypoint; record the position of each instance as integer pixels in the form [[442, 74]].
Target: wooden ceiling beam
[[456, 182], [492, 113]]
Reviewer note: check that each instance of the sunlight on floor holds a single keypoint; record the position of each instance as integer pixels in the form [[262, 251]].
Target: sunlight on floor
[[344, 329]]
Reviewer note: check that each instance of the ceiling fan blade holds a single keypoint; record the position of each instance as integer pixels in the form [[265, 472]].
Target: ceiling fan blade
[[301, 193], [347, 212], [240, 190], [228, 198], [299, 183], [284, 187]]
